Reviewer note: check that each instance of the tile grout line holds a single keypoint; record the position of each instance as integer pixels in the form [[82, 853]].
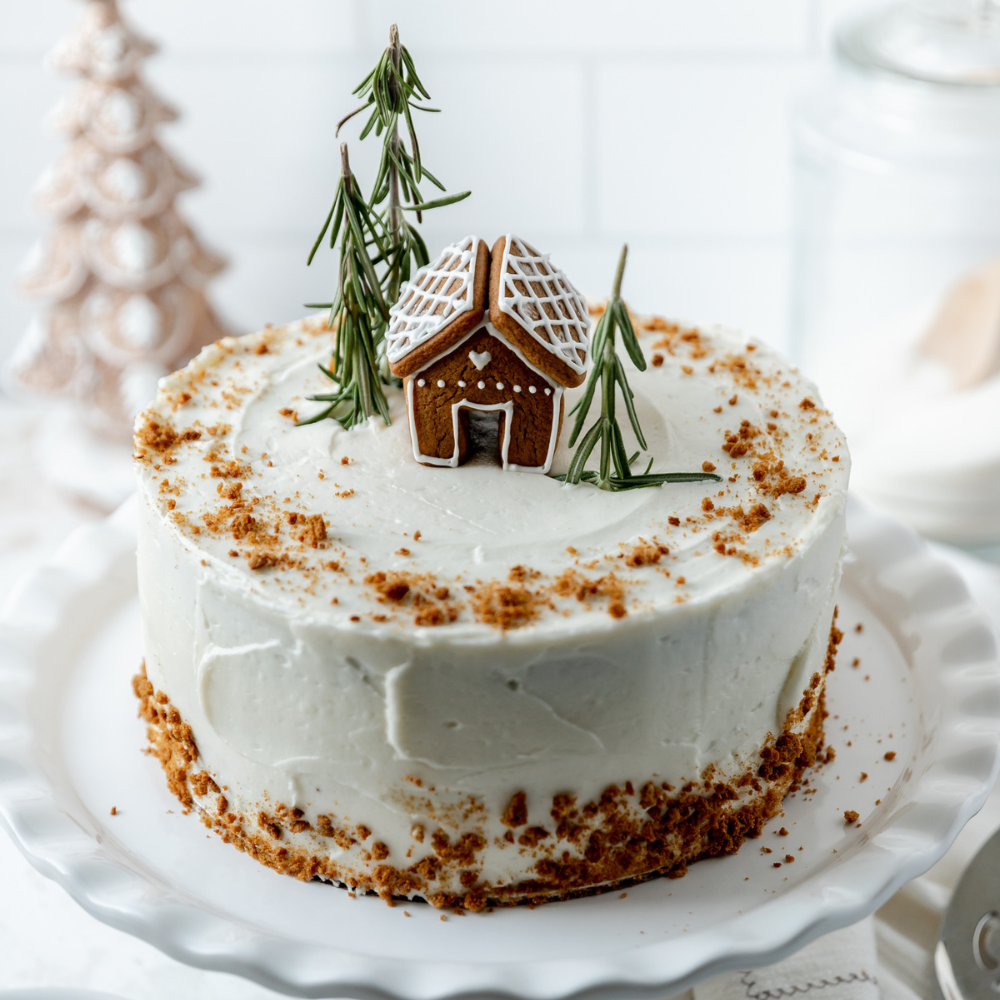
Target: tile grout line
[[591, 162], [814, 29], [630, 54]]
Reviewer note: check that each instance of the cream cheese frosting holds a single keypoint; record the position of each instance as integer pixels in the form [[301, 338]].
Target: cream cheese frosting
[[353, 635]]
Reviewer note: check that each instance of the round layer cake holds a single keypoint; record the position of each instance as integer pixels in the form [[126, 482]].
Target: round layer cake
[[475, 685]]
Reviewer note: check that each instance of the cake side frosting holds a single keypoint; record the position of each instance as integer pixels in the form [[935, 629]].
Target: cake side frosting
[[352, 636]]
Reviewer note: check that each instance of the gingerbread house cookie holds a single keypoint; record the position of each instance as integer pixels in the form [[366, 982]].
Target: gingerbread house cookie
[[491, 330]]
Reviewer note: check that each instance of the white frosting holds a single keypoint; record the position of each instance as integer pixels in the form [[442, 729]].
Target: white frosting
[[327, 707]]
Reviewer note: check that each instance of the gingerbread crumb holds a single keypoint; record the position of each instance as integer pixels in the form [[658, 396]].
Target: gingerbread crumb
[[504, 606], [616, 844], [516, 813]]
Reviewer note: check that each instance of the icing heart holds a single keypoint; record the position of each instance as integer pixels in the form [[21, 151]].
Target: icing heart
[[480, 359]]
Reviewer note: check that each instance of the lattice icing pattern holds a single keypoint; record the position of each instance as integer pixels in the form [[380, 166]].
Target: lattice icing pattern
[[439, 292], [544, 301]]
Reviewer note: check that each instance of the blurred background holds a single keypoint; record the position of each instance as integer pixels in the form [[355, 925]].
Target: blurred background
[[577, 124], [825, 205]]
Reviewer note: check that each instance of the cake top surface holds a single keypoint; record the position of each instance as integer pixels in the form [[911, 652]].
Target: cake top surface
[[345, 527]]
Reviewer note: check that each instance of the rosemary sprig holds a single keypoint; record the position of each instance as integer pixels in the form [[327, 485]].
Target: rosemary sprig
[[393, 91], [609, 371], [358, 309], [375, 237]]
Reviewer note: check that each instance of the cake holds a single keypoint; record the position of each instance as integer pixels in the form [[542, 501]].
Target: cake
[[477, 686]]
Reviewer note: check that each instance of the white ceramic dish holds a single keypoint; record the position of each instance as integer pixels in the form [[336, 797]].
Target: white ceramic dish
[[927, 688]]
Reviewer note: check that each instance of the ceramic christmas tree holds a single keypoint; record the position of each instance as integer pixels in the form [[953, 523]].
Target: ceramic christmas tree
[[121, 274]]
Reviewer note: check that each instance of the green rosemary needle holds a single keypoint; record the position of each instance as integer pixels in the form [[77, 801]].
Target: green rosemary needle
[[373, 237], [358, 309], [393, 90], [608, 371]]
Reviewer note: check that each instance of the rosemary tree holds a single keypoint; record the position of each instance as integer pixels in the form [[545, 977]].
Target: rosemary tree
[[393, 91], [358, 311], [608, 371], [376, 235]]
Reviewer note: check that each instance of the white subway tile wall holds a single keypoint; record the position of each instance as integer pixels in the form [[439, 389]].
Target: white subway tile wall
[[575, 123]]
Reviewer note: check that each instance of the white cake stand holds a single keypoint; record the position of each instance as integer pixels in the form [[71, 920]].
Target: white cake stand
[[927, 690]]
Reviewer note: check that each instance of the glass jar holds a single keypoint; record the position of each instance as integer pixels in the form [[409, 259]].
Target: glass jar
[[897, 196]]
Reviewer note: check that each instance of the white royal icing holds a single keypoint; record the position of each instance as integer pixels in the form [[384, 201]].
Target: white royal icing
[[453, 460], [568, 336], [428, 303]]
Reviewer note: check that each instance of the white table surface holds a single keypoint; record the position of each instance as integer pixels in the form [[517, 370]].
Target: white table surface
[[47, 940]]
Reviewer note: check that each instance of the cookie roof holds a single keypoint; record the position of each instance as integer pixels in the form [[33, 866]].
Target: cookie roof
[[449, 289], [529, 289], [531, 302]]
